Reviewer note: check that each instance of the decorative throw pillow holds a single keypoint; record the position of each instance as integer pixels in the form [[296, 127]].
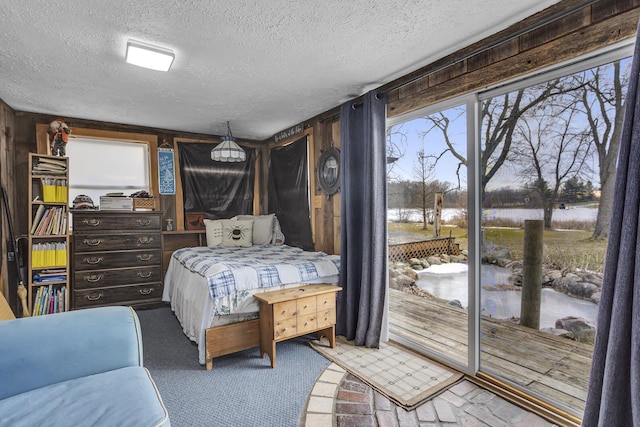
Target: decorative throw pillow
[[214, 232], [278, 236], [237, 233], [262, 228]]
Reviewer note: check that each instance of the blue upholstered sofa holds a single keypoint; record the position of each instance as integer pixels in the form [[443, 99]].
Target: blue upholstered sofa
[[77, 368]]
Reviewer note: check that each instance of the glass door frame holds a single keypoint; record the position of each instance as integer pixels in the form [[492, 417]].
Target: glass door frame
[[474, 128]]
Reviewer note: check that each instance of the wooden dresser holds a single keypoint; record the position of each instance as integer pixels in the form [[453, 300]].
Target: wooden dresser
[[117, 258], [293, 312]]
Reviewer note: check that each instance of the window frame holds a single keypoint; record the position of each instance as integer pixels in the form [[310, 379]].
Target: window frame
[[42, 143]]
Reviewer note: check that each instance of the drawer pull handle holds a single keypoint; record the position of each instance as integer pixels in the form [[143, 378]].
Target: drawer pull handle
[[145, 275], [93, 260], [94, 278], [143, 221], [145, 240], [93, 297], [92, 222], [92, 242], [145, 291], [145, 257]]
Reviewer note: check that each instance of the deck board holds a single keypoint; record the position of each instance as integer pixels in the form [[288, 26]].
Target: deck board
[[553, 366]]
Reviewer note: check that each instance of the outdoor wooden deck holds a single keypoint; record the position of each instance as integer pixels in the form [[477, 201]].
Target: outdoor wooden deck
[[553, 366]]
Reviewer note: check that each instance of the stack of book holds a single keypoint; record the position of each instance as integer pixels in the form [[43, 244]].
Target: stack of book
[[49, 300], [49, 221], [50, 275], [46, 165]]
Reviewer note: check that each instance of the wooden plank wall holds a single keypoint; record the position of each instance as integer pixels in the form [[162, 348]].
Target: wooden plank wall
[[476, 67], [7, 170]]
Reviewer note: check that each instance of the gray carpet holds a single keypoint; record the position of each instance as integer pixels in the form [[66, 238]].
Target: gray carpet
[[241, 390]]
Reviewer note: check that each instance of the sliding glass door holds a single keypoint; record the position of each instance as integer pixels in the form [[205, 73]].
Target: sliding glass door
[[427, 201], [498, 209]]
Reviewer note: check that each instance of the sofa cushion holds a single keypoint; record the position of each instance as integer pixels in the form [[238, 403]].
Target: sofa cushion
[[123, 397]]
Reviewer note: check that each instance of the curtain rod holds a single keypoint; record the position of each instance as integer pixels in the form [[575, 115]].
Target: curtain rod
[[504, 39]]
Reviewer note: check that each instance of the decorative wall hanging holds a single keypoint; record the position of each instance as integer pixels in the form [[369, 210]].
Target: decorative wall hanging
[[328, 171], [166, 170]]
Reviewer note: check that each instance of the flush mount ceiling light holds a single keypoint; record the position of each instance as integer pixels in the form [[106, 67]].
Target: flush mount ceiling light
[[228, 150], [149, 56]]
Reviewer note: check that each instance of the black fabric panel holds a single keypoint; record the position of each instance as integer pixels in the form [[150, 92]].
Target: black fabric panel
[[288, 194], [219, 189]]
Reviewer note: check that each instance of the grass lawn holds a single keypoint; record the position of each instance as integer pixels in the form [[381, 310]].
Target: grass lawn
[[566, 249]]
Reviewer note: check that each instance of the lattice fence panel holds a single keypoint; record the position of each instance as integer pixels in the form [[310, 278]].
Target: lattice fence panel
[[404, 251]]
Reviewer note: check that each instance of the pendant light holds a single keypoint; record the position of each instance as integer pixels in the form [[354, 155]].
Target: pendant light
[[228, 150]]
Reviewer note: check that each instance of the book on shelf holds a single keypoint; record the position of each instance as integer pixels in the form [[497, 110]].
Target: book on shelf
[[49, 299], [49, 221]]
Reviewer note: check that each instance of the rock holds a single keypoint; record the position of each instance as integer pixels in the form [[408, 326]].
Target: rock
[[582, 289], [499, 255], [592, 278], [554, 274], [425, 263], [408, 271], [445, 258], [457, 258], [465, 252], [558, 332], [562, 284], [579, 327], [434, 260], [393, 284], [414, 261], [455, 303], [595, 298], [404, 280], [416, 266]]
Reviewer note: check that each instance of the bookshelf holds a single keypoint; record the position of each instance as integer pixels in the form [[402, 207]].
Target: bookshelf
[[48, 278]]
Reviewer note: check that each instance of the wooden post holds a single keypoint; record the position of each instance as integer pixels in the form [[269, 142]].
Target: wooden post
[[532, 274], [437, 217]]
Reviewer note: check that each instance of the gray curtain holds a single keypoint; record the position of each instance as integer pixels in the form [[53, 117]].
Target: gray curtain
[[363, 252], [613, 397]]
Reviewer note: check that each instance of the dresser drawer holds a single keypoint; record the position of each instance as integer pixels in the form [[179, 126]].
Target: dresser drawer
[[103, 260], [285, 328], [284, 310], [108, 242], [307, 323], [326, 318], [98, 278], [100, 223], [121, 295], [326, 301], [306, 306]]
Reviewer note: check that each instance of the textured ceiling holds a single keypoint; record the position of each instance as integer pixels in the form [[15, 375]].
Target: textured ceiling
[[263, 65]]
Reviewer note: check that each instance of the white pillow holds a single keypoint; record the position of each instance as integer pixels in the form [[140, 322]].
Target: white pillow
[[213, 229], [237, 233], [262, 228]]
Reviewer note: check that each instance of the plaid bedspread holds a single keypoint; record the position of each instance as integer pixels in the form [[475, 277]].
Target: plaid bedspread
[[230, 270]]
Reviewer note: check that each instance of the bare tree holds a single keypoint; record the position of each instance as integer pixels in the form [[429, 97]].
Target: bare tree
[[424, 171], [552, 149], [602, 97], [396, 148], [500, 116]]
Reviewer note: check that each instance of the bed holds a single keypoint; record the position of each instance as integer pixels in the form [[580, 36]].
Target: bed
[[210, 290]]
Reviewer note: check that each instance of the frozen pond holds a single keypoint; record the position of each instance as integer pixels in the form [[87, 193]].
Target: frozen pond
[[569, 214], [449, 281]]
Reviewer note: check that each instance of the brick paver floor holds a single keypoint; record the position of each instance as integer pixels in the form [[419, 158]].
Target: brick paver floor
[[340, 399]]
